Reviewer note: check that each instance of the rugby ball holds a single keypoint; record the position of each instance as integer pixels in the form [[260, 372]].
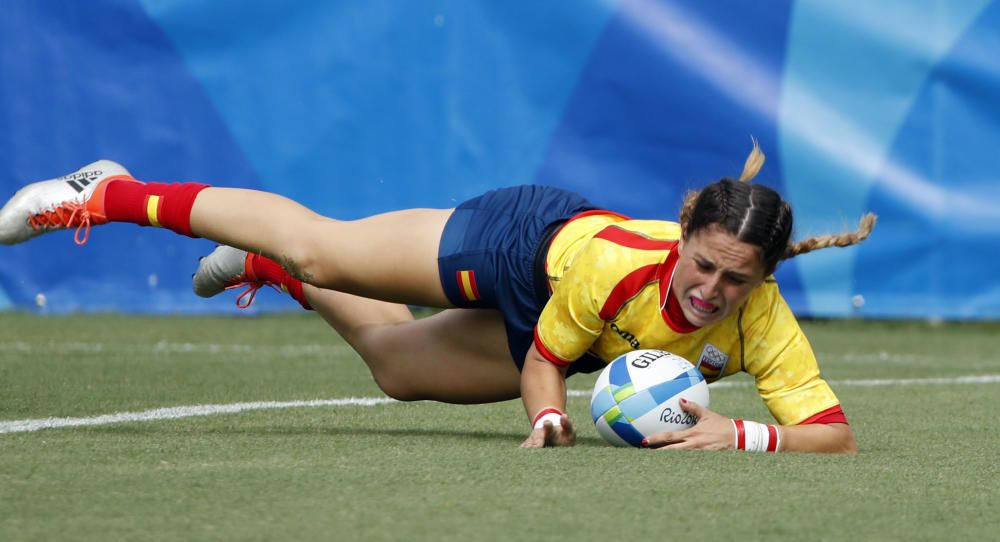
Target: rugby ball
[[638, 394]]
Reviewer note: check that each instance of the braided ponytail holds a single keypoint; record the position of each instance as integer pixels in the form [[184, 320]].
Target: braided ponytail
[[845, 239], [752, 165], [754, 161], [756, 214]]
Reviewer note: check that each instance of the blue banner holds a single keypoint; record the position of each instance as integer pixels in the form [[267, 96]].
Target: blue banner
[[359, 107]]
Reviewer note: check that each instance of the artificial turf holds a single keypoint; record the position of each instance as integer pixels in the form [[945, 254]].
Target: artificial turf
[[927, 469]]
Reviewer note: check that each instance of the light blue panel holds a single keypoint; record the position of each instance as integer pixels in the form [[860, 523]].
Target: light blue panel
[[81, 81], [5, 303], [853, 71], [940, 215], [365, 106], [601, 403]]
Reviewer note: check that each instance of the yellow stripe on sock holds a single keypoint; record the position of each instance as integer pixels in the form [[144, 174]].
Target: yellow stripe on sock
[[151, 211]]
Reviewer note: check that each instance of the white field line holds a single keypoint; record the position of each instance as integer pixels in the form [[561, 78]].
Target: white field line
[[173, 413]]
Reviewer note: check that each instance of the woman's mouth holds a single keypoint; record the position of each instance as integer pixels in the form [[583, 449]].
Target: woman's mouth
[[703, 307]]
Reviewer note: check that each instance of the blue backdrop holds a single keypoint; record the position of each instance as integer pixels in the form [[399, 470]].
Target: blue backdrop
[[358, 107]]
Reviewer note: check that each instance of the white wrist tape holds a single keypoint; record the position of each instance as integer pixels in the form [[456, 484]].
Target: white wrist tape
[[550, 414], [756, 437]]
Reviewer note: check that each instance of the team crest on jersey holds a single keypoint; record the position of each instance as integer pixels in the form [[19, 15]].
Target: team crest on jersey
[[712, 360]]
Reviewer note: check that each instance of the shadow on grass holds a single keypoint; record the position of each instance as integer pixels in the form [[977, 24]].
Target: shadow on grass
[[331, 431]]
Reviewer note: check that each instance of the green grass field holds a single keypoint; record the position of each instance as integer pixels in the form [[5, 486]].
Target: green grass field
[[928, 467]]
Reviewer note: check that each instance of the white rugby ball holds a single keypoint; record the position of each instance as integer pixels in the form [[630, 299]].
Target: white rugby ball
[[638, 394]]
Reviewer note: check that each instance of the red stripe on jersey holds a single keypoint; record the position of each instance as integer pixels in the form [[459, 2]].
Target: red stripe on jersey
[[547, 354], [672, 312], [833, 414], [772, 438], [627, 288], [592, 212], [629, 239]]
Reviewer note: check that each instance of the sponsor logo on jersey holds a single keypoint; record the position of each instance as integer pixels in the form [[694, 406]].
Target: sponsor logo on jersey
[[712, 360], [630, 338]]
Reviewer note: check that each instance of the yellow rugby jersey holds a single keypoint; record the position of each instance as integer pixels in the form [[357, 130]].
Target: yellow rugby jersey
[[610, 280]]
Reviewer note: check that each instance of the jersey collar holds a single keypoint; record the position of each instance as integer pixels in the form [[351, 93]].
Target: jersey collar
[[670, 307]]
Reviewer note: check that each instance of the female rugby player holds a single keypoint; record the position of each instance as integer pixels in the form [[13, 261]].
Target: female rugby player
[[532, 274]]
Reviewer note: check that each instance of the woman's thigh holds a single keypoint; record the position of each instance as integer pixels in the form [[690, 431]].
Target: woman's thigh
[[391, 256], [454, 356]]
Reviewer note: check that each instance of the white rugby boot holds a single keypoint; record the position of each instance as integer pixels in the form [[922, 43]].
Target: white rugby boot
[[224, 269], [72, 201]]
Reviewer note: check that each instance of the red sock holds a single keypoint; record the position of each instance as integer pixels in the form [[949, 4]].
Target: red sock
[[268, 270], [152, 204]]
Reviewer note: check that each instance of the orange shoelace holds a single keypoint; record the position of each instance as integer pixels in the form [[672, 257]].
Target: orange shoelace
[[65, 215], [242, 280]]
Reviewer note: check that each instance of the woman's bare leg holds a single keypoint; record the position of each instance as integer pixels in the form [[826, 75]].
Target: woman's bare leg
[[391, 257], [455, 356], [356, 274]]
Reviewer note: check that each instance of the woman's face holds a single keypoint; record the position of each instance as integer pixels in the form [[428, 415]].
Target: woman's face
[[715, 273]]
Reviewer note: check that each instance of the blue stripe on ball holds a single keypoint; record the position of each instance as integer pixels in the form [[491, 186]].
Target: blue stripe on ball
[[695, 375], [619, 374], [602, 403], [649, 398], [665, 390], [628, 433]]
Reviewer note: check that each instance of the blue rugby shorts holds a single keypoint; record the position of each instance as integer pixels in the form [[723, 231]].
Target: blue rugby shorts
[[492, 256]]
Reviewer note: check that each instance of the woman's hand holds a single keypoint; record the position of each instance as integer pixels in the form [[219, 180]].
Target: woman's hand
[[543, 390], [716, 432], [712, 432], [552, 435]]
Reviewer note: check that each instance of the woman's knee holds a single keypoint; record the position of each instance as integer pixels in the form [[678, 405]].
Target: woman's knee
[[456, 356], [301, 256], [387, 362], [396, 385]]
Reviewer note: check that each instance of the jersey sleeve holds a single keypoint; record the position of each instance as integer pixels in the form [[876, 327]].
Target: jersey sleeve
[[782, 362], [571, 321]]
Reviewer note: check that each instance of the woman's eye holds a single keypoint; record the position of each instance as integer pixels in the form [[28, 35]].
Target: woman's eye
[[735, 281]]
